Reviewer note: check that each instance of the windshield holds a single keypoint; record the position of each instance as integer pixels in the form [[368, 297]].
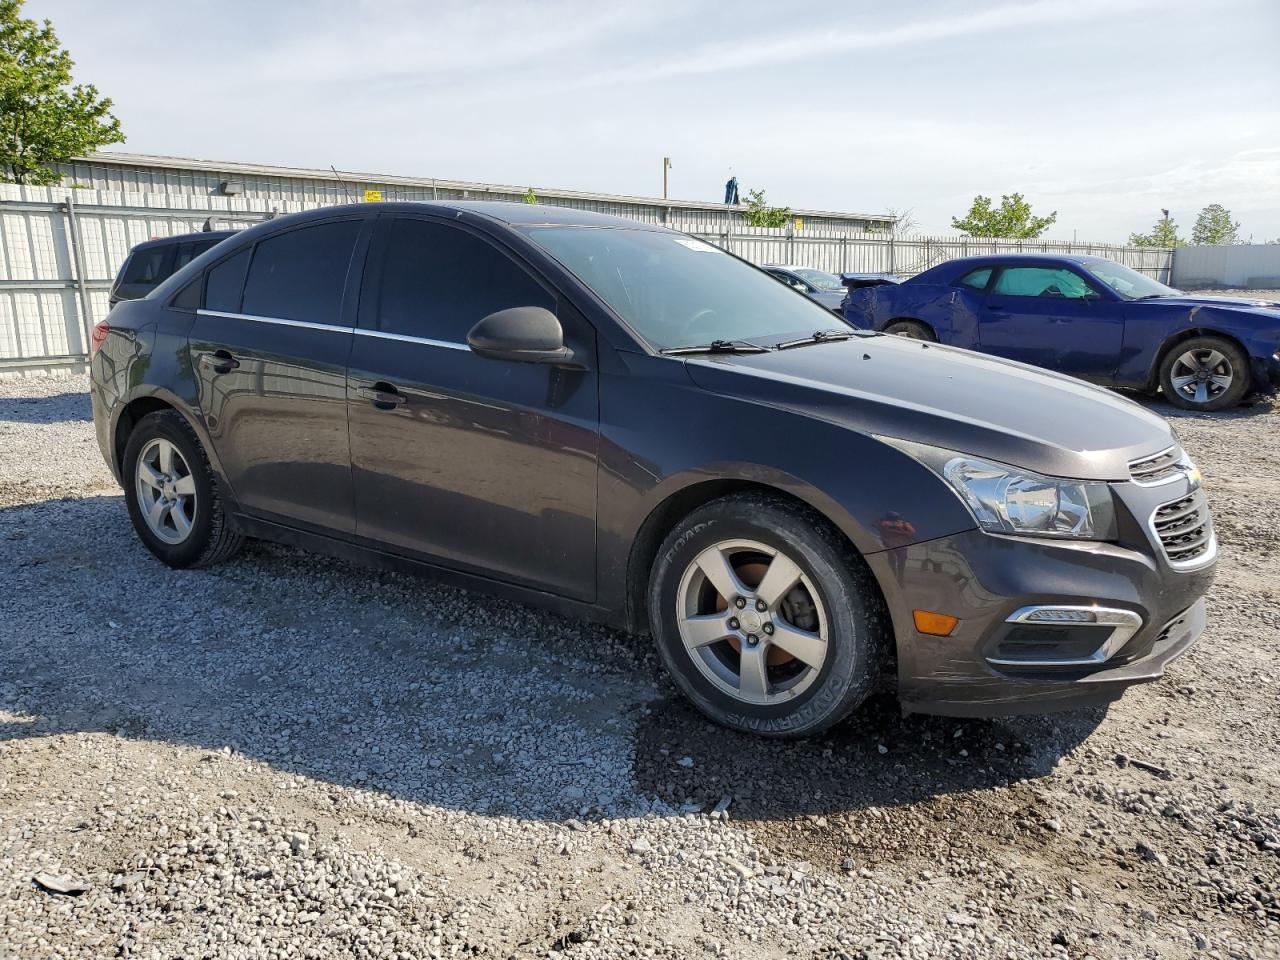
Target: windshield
[[676, 291], [820, 279], [1130, 284]]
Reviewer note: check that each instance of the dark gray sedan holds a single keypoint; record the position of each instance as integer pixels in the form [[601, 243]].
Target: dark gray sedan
[[627, 424]]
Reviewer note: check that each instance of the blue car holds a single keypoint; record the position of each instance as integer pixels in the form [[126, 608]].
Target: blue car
[[1088, 317]]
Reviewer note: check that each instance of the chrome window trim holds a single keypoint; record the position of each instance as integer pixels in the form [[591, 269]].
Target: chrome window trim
[[405, 338], [306, 324], [1124, 624]]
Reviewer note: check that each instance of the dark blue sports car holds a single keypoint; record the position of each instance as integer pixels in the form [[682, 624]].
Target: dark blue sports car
[[1088, 317]]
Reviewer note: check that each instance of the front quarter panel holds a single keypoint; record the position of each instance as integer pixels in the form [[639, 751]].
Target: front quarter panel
[[661, 434], [1151, 325]]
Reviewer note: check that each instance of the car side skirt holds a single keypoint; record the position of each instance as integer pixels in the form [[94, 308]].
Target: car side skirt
[[382, 559]]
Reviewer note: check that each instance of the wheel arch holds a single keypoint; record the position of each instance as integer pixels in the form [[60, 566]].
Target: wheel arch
[[905, 319], [680, 504], [140, 406], [1182, 336]]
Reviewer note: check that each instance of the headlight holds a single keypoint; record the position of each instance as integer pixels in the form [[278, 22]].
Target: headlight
[[1010, 500]]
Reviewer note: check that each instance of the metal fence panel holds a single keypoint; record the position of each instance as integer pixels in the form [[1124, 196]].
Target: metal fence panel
[[47, 309], [1252, 265]]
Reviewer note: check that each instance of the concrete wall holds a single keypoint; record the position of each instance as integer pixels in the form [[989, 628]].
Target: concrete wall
[[1253, 266]]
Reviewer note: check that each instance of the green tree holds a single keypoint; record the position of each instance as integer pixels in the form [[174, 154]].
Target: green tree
[[1214, 227], [760, 214], [1011, 220], [44, 119], [530, 196], [1163, 234]]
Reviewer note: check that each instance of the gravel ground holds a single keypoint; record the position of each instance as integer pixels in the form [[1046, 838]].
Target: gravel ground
[[290, 756]]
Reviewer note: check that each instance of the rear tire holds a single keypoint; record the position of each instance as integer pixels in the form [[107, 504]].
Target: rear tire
[[172, 494], [1205, 373], [812, 634], [911, 330]]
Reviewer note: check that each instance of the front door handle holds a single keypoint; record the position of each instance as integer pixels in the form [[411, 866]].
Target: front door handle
[[220, 361], [383, 396]]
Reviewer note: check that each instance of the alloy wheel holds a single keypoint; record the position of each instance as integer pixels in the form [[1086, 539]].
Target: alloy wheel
[[1201, 375], [166, 491], [752, 622]]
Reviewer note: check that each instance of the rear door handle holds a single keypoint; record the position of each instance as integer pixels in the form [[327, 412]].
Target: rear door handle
[[220, 361], [383, 396]]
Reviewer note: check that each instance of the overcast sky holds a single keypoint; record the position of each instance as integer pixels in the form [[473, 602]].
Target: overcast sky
[[1104, 110]]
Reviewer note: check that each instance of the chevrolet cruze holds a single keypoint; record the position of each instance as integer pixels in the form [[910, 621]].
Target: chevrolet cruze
[[627, 424]]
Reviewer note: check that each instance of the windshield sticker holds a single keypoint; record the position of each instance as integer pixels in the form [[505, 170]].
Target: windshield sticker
[[695, 245]]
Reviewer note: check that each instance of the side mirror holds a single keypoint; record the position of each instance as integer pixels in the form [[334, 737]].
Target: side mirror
[[521, 334]]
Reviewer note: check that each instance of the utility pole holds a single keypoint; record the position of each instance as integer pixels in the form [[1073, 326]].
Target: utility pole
[[666, 165]]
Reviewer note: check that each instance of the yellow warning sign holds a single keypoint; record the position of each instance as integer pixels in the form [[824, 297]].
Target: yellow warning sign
[[373, 196], [799, 223]]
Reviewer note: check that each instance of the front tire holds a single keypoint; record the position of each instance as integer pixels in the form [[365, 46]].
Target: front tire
[[1204, 373], [765, 617], [172, 494]]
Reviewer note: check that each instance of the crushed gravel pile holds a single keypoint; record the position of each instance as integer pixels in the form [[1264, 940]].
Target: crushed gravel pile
[[291, 756]]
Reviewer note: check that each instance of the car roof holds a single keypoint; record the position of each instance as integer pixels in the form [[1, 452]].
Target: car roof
[[185, 238], [961, 265], [979, 259]]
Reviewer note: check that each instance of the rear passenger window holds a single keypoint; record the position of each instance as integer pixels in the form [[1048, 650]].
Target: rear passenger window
[[300, 275], [188, 297], [145, 266], [977, 279], [225, 284], [439, 281]]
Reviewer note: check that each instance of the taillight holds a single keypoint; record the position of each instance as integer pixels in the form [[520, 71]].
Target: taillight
[[98, 336]]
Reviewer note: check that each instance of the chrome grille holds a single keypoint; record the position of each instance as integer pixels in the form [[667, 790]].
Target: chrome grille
[[1184, 529], [1157, 468]]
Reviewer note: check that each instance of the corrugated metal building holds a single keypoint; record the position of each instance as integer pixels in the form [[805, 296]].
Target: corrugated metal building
[[140, 173]]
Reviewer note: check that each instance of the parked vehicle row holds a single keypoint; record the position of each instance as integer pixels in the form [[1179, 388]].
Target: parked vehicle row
[[630, 425]]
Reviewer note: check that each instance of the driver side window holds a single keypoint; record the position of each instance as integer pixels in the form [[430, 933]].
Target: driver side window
[[1056, 282], [438, 281]]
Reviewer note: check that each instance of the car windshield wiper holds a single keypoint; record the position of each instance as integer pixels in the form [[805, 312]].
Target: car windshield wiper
[[1152, 296], [717, 346], [818, 336]]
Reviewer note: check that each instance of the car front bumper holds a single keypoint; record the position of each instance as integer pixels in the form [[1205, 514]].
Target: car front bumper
[[992, 582]]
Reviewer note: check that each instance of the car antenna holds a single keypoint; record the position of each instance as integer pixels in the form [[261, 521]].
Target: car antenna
[[345, 186]]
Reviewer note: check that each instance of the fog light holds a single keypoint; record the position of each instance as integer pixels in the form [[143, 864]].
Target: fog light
[[935, 624]]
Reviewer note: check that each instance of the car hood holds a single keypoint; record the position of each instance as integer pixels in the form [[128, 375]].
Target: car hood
[[951, 398]]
